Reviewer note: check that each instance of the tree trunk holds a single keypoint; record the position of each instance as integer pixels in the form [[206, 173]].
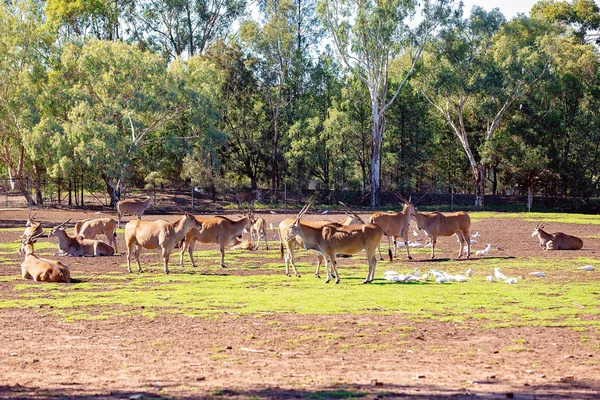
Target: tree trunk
[[530, 191], [377, 137], [479, 174], [274, 173], [114, 191]]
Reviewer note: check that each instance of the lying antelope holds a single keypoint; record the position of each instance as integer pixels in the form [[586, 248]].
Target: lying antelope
[[556, 241], [41, 269], [217, 229], [437, 224], [259, 230], [155, 234], [32, 228], [395, 224], [89, 228], [78, 247], [132, 207], [331, 240], [239, 244], [290, 245]]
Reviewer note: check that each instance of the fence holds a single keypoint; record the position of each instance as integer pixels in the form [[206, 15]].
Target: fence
[[24, 193]]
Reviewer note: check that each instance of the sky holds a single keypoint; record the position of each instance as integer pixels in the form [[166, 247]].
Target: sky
[[510, 8]]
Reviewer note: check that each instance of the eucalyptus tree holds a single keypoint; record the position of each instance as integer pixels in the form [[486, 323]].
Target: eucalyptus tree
[[273, 45], [477, 71], [583, 16], [182, 27], [368, 36], [26, 49], [119, 100]]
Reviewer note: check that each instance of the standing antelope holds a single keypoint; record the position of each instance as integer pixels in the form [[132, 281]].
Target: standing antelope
[[331, 240], [438, 224], [89, 228], [290, 245], [248, 197], [132, 207], [154, 234], [76, 246], [217, 229], [259, 229], [556, 241], [395, 224], [32, 228], [41, 269]]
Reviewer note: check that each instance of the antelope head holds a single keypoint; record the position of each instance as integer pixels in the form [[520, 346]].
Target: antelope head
[[58, 227], [293, 230], [350, 213], [537, 229], [29, 240]]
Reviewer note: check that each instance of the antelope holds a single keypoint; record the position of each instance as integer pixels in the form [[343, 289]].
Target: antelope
[[331, 240], [259, 228], [89, 228], [132, 207], [32, 228], [395, 223], [239, 244], [76, 246], [437, 224], [248, 197], [290, 245], [217, 229], [154, 234], [556, 241], [41, 269]]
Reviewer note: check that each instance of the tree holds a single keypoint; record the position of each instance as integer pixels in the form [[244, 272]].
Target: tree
[[118, 99], [582, 15], [185, 28], [23, 45], [475, 76], [368, 36], [99, 18]]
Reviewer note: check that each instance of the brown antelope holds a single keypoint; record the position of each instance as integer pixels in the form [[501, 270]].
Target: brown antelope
[[41, 269], [248, 197], [78, 247], [290, 245], [438, 224], [239, 244], [32, 228], [556, 241], [331, 240], [217, 229], [395, 224], [89, 228], [132, 207], [259, 230], [155, 234]]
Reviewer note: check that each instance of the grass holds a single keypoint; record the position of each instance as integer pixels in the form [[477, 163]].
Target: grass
[[568, 297]]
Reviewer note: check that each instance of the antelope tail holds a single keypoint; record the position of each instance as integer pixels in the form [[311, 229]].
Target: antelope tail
[[281, 249]]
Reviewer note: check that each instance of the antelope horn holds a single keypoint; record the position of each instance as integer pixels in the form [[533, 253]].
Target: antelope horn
[[42, 233], [179, 208], [348, 210], [63, 224], [402, 198]]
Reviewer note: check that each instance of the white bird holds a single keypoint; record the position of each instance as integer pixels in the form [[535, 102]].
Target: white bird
[[539, 274], [417, 273], [476, 235], [460, 278], [490, 278], [441, 279], [400, 244], [473, 241], [449, 278], [425, 277], [428, 244], [469, 272], [436, 273], [511, 281], [272, 212], [411, 278], [415, 244], [390, 273], [484, 251], [499, 275], [98, 212], [587, 268], [325, 212], [271, 226]]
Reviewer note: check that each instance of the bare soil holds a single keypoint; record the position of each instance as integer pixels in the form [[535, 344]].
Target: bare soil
[[42, 356]]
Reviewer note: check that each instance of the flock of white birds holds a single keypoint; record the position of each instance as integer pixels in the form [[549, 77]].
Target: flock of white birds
[[444, 277]]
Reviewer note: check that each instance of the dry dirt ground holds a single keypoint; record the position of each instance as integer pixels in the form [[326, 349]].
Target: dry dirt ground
[[42, 356]]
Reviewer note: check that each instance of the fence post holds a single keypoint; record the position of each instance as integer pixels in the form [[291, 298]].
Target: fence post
[[5, 193], [284, 196], [192, 196]]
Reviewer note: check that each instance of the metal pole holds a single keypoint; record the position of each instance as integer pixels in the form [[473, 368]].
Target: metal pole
[[192, 196], [284, 195]]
